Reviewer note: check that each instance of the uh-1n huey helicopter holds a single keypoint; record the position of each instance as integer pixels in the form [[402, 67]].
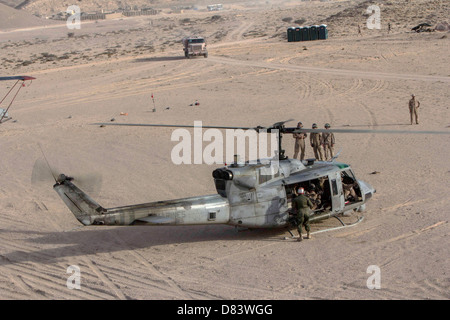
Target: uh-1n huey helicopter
[[255, 194]]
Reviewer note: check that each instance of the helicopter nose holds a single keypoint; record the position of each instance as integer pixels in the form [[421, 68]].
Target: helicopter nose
[[371, 192], [367, 189]]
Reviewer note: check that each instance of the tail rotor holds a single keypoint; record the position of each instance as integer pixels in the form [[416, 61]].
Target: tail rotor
[[43, 175]]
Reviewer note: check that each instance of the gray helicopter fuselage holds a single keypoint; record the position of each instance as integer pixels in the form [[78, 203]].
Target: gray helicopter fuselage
[[253, 195], [260, 195]]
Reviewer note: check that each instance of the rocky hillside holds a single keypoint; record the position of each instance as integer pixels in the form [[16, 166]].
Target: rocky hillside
[[401, 14], [50, 7], [11, 18]]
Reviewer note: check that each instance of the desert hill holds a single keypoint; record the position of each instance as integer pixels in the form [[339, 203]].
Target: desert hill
[[49, 7], [11, 18], [342, 17], [401, 14]]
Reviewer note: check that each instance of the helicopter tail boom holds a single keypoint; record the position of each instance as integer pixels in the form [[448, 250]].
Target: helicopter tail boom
[[82, 206], [208, 209], [212, 209]]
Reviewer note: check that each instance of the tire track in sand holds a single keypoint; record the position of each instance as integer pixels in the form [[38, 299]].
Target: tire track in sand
[[34, 280], [170, 286], [237, 34], [102, 276], [37, 269], [329, 71], [358, 85]]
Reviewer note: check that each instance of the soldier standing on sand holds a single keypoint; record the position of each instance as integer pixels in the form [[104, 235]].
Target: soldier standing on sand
[[328, 142], [413, 109], [299, 142], [301, 205], [315, 140]]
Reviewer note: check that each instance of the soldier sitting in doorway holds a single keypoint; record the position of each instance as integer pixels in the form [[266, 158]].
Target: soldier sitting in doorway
[[348, 185], [313, 194]]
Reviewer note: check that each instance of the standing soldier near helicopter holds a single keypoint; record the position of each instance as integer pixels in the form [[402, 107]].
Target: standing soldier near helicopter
[[299, 143], [301, 206], [315, 141], [413, 108], [328, 142]]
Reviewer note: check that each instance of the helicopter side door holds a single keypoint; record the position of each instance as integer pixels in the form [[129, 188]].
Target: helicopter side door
[[271, 205], [337, 192], [352, 190]]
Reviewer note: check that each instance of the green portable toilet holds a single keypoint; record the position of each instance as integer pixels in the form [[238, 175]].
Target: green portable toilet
[[323, 32], [291, 34], [298, 34], [305, 33], [314, 32]]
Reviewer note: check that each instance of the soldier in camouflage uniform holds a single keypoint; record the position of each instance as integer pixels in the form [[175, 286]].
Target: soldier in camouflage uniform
[[413, 109], [315, 140], [314, 196], [301, 206], [328, 142], [299, 143]]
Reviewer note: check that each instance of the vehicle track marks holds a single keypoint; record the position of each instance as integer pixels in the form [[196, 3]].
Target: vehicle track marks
[[156, 275], [102, 276], [416, 232], [237, 34]]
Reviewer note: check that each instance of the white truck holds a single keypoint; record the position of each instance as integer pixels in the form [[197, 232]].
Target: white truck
[[194, 46]]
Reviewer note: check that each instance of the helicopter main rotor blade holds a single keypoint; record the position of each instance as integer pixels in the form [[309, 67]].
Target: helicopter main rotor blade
[[296, 130], [276, 126], [170, 126]]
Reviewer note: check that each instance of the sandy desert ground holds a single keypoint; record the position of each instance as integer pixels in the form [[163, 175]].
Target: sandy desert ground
[[252, 76]]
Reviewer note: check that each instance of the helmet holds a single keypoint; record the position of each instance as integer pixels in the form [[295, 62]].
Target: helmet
[[299, 124], [314, 125], [327, 125], [301, 191]]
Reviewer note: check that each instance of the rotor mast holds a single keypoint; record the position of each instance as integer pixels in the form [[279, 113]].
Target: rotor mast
[[280, 128]]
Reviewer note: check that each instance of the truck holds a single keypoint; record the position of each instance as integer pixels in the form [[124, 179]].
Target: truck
[[194, 46]]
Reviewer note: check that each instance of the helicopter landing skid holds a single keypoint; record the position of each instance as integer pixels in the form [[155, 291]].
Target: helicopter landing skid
[[5, 119], [242, 229], [328, 229]]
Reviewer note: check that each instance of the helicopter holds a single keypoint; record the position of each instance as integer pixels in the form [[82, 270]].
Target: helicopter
[[251, 194], [4, 112]]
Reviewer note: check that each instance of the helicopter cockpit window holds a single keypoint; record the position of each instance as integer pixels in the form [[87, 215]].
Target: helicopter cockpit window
[[264, 178], [352, 192], [265, 174], [334, 186], [347, 177]]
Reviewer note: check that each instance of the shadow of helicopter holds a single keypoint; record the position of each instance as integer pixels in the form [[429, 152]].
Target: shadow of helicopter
[[92, 240], [153, 59]]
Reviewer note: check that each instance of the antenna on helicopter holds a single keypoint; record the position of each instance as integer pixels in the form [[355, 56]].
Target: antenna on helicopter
[[48, 165], [337, 155]]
